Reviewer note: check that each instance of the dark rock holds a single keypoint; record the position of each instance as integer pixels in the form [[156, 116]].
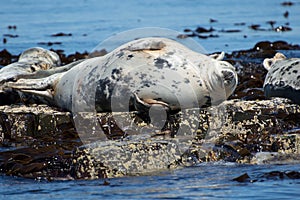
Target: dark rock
[[242, 178], [271, 23], [240, 24], [236, 131], [282, 29], [61, 34], [10, 35], [255, 27], [98, 53], [213, 20], [287, 3], [182, 36], [12, 27], [230, 31], [187, 30], [49, 43], [286, 14], [6, 57], [204, 30]]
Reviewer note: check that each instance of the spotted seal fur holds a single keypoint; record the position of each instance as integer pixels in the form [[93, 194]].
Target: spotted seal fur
[[283, 77], [31, 60], [149, 70]]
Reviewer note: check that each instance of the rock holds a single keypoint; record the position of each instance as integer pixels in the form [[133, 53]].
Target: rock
[[234, 131]]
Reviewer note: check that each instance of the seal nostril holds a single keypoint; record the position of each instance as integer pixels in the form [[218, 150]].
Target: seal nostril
[[228, 76], [32, 69]]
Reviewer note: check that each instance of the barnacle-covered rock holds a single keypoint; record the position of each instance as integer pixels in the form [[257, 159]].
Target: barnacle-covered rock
[[57, 145], [235, 131]]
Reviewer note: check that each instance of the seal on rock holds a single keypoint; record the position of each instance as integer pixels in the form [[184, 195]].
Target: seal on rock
[[147, 71], [31, 60], [283, 77]]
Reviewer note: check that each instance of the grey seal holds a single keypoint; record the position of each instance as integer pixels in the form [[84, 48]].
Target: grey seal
[[31, 60], [147, 71], [283, 77]]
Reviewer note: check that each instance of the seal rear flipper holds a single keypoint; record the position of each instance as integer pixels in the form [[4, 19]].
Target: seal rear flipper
[[34, 84], [44, 96], [49, 72]]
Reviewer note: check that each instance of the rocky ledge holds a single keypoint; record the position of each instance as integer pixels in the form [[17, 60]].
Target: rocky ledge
[[43, 141]]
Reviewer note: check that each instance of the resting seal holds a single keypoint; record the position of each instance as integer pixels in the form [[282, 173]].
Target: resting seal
[[31, 60], [143, 72], [283, 78]]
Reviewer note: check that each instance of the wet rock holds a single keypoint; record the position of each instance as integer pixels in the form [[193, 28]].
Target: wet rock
[[256, 27], [287, 3], [12, 27], [208, 36], [213, 20], [282, 29], [286, 14], [242, 178], [61, 34], [240, 24], [6, 57], [10, 35], [97, 53], [234, 131], [182, 36], [271, 22], [230, 31], [49, 43], [66, 59], [204, 30], [272, 175]]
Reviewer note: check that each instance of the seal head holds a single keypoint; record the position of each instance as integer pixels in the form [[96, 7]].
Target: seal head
[[30, 61], [283, 77]]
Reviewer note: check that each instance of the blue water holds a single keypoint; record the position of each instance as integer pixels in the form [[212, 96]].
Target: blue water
[[207, 181], [92, 21]]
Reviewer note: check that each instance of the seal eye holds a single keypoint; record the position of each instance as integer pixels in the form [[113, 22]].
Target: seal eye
[[32, 69], [230, 81], [228, 76]]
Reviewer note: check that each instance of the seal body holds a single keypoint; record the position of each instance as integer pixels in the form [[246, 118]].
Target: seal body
[[31, 60], [146, 71], [155, 70], [283, 78]]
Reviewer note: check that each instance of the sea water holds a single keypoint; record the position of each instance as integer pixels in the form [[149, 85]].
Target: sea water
[[92, 21]]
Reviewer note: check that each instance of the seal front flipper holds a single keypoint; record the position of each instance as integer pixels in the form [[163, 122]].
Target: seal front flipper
[[147, 106], [217, 56]]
